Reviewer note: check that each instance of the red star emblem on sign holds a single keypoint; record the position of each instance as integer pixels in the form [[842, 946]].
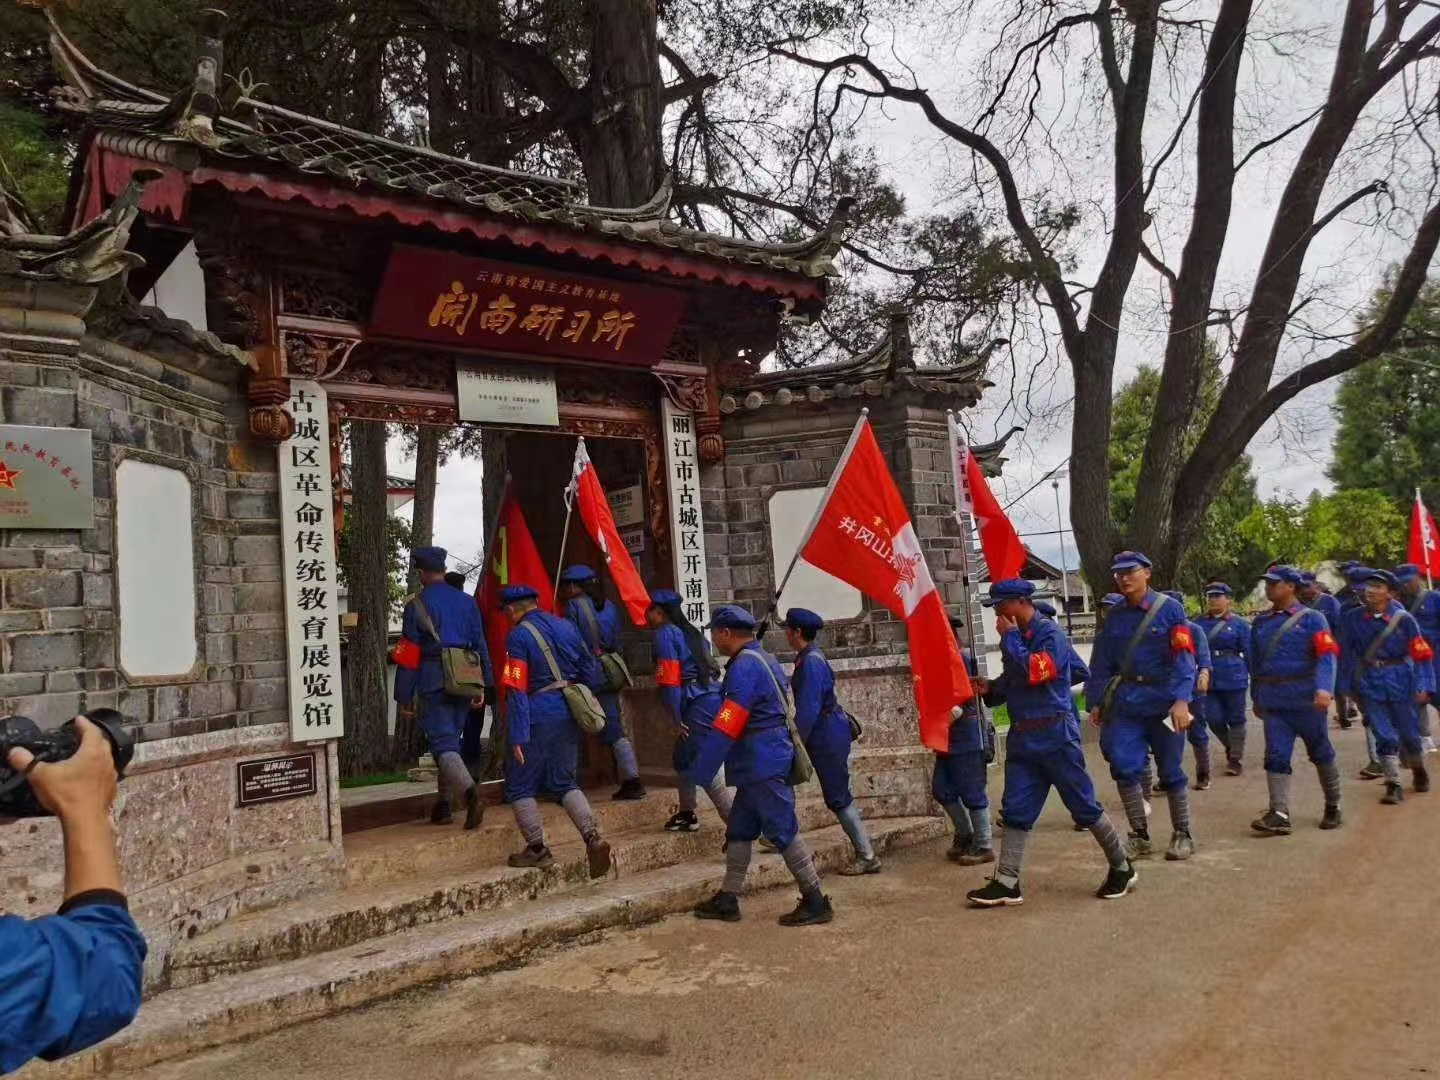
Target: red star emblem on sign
[[8, 475]]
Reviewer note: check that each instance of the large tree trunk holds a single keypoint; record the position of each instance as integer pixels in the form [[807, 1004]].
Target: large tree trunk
[[619, 141], [427, 471], [366, 746]]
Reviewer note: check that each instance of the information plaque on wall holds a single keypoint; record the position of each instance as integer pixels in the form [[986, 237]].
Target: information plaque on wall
[[274, 779], [307, 561], [45, 478]]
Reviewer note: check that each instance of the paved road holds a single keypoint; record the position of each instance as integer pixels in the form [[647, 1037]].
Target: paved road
[[1309, 956]]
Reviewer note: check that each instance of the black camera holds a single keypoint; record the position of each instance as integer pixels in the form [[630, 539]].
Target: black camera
[[17, 798]]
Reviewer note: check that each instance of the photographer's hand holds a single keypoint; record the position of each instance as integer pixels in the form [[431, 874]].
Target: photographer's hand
[[79, 792]]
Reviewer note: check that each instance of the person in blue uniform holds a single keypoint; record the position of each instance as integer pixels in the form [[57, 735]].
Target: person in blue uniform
[[598, 620], [1142, 677], [751, 738], [1424, 604], [1312, 594], [472, 742], [440, 617], [71, 979], [1198, 733], [1292, 660], [544, 653], [1223, 708], [1386, 662], [825, 729], [1351, 598], [1042, 749], [689, 684], [959, 781]]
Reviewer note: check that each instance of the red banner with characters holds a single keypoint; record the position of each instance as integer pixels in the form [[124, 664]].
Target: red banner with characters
[[472, 303]]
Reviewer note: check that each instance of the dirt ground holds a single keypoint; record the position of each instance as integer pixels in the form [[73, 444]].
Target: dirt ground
[[1306, 956]]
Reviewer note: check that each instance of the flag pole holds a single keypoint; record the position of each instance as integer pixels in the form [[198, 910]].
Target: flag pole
[[1429, 582], [967, 584], [824, 499], [569, 509]]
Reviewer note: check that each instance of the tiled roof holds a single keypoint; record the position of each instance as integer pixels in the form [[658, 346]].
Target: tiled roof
[[250, 130]]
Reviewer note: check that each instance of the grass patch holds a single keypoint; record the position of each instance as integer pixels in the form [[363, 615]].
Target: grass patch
[[371, 779]]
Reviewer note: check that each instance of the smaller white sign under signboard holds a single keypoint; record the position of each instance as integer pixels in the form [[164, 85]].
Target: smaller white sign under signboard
[[627, 504], [492, 395]]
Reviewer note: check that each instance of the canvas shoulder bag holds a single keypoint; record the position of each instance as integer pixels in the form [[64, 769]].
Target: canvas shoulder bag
[[584, 706], [464, 671], [801, 769], [617, 672]]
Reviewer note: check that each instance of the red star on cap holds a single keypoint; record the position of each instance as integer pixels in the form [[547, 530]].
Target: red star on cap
[[7, 476]]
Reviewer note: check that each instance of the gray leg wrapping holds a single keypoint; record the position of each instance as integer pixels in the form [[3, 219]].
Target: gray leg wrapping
[[1330, 782], [625, 764], [687, 792], [1425, 731], [980, 820], [527, 817], [1202, 758], [721, 797], [1279, 784], [737, 865], [1133, 797], [1179, 799], [578, 807], [1147, 778], [456, 776], [1391, 762], [1237, 744], [802, 864], [1012, 855], [1372, 748], [855, 830], [964, 830], [1109, 840]]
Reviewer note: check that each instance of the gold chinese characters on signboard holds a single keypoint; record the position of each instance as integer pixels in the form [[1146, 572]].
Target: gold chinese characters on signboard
[[455, 306]]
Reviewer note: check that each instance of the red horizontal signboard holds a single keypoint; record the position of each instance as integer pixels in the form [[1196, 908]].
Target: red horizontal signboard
[[474, 303]]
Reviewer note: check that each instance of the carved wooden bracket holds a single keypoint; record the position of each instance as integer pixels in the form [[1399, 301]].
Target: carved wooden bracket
[[314, 356], [269, 419]]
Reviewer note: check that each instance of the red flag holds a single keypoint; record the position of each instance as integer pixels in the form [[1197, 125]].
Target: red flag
[[862, 535], [514, 559], [585, 489], [1004, 553], [1424, 540]]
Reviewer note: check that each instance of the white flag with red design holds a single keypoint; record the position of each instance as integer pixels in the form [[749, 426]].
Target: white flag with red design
[[862, 534], [1424, 540]]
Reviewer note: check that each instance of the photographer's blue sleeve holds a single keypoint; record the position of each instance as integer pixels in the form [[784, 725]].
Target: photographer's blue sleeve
[[66, 981]]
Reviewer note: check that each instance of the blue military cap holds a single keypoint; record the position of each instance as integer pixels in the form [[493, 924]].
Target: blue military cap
[[1218, 588], [1406, 572], [513, 594], [799, 618], [1128, 560], [1385, 577], [1348, 565], [1356, 574], [1010, 589], [1176, 595], [1110, 599], [429, 558], [661, 597], [1044, 607], [1308, 577], [1286, 574], [730, 617], [576, 574]]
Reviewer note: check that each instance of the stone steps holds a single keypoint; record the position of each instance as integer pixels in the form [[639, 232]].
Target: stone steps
[[370, 910], [254, 1002]]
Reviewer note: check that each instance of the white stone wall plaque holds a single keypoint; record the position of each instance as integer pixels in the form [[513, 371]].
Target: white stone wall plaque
[[492, 395], [155, 570], [46, 478], [687, 525], [307, 560]]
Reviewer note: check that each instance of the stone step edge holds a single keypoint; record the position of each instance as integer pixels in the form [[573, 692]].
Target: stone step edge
[[268, 999]]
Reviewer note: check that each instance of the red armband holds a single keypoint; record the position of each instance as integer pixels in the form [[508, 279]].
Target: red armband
[[1420, 649], [516, 674], [1042, 668], [406, 654], [732, 718], [667, 673], [1325, 644], [1181, 640]]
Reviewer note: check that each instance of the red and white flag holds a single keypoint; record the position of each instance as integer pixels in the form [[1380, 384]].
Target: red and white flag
[[1424, 540], [594, 508], [862, 534], [1004, 553]]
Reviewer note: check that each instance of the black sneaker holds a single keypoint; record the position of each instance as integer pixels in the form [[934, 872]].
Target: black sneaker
[[629, 791], [1202, 781], [440, 813], [1394, 794], [724, 906], [1332, 818], [1118, 882], [536, 858], [474, 808], [814, 908], [1372, 771], [597, 854], [1234, 768], [958, 849], [683, 821], [994, 893], [1272, 823], [975, 856], [1422, 780]]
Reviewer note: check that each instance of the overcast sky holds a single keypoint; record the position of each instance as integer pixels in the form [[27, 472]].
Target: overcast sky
[[1345, 263]]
